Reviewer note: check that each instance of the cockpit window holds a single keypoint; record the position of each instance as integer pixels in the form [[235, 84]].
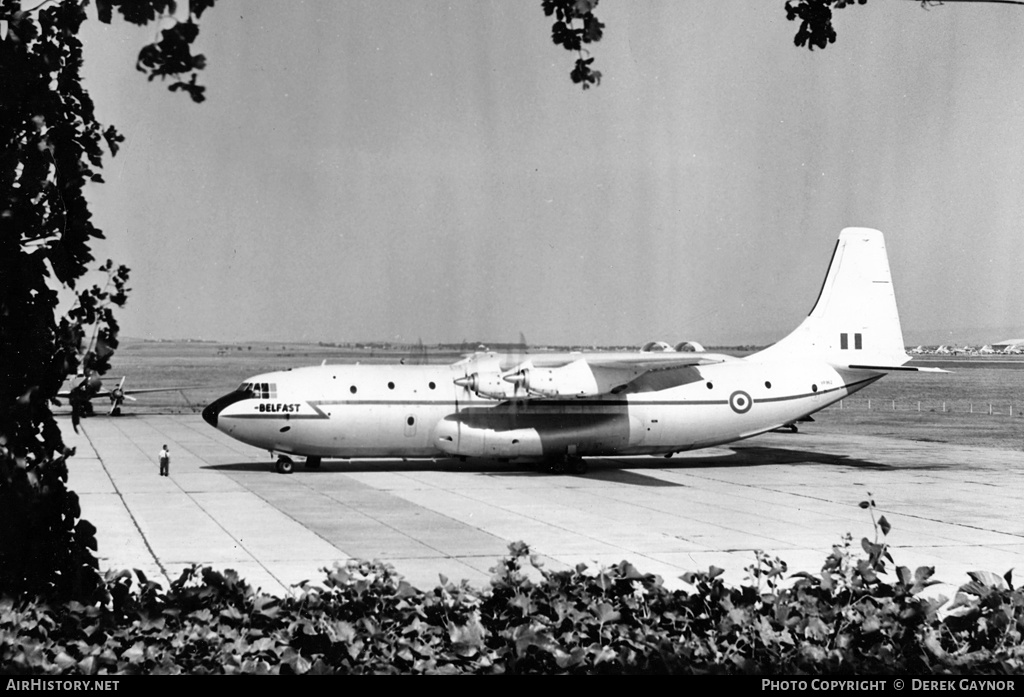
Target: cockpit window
[[259, 390]]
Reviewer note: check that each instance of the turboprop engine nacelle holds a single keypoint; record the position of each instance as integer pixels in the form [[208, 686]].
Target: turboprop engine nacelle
[[488, 385], [575, 379]]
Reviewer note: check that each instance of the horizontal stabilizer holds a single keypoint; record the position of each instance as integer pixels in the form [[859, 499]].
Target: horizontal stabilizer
[[888, 368]]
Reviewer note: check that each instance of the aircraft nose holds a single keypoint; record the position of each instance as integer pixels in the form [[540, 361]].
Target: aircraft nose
[[213, 410], [210, 413]]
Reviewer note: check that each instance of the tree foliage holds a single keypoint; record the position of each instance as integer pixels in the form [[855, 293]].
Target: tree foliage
[[576, 25], [814, 16], [565, 32], [52, 146]]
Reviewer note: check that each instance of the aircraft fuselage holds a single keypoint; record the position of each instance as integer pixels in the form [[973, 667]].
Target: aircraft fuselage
[[418, 411]]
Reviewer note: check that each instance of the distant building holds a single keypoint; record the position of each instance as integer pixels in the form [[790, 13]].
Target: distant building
[[1009, 345]]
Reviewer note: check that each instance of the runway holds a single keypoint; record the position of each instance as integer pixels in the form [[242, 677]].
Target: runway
[[791, 495]]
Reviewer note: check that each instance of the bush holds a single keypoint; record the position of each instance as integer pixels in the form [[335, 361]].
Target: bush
[[364, 618]]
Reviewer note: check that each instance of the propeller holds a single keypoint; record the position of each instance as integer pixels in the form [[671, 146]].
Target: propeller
[[483, 373], [117, 397]]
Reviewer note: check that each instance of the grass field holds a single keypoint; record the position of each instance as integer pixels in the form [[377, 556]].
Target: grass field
[[951, 407]]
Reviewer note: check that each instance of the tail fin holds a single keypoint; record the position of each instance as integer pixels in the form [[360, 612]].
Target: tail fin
[[855, 322]]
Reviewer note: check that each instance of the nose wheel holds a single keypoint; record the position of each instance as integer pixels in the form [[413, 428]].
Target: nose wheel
[[284, 465]]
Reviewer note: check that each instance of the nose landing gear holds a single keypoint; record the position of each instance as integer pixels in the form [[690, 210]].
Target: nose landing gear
[[284, 465]]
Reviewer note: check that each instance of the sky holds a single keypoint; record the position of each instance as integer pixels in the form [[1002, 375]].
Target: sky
[[418, 170]]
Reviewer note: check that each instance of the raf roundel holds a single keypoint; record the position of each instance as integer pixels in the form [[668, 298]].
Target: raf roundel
[[740, 402]]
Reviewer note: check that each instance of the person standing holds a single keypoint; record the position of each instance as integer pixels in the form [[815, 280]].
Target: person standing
[[165, 461]]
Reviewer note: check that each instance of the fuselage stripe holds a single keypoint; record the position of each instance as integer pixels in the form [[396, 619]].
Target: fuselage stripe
[[533, 403]]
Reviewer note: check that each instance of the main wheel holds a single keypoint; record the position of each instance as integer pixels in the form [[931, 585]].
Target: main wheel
[[285, 465]]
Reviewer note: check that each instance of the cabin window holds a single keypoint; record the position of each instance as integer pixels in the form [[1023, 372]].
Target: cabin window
[[391, 385], [352, 389], [768, 384], [710, 386], [431, 385]]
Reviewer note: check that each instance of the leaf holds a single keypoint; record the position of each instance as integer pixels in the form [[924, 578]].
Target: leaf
[[584, 7], [884, 525], [983, 583], [64, 661], [468, 639], [923, 573], [816, 629], [606, 613], [866, 572], [572, 659], [135, 653], [873, 550], [103, 7]]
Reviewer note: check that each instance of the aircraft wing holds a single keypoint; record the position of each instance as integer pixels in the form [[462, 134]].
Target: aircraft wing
[[587, 374], [157, 389], [630, 374], [129, 392]]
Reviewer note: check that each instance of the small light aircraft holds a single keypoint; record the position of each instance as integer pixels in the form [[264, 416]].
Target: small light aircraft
[[558, 408], [89, 387]]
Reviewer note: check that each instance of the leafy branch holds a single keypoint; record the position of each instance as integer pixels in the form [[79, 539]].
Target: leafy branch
[[566, 33], [171, 56]]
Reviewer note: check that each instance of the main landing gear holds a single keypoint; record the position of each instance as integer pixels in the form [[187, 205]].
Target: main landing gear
[[565, 465]]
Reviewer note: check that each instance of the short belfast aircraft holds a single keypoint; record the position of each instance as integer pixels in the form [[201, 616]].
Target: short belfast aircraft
[[558, 408]]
